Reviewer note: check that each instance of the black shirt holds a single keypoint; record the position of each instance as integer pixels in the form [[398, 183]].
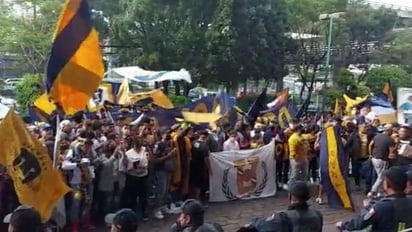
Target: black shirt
[[200, 151], [381, 144]]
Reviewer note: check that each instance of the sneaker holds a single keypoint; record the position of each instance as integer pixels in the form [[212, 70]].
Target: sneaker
[[319, 200], [159, 215], [165, 210], [145, 218]]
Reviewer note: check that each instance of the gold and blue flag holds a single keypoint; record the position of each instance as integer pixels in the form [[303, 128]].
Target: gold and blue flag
[[387, 93], [75, 67], [36, 181], [333, 169]]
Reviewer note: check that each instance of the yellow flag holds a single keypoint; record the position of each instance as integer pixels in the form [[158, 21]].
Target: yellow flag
[[338, 108], [350, 103], [201, 117], [42, 103], [35, 180]]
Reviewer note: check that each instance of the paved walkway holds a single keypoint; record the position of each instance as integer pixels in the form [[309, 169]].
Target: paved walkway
[[232, 215]]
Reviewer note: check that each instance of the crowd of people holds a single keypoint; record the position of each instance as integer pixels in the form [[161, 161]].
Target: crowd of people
[[110, 164]]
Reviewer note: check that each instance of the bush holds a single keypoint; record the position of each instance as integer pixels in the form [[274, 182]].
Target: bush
[[179, 101], [27, 91]]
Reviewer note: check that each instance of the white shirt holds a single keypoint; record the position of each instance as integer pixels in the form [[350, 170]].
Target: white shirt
[[231, 145], [140, 158]]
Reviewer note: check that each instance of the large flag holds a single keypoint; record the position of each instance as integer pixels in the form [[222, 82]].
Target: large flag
[[245, 174], [202, 105], [387, 92], [75, 68], [333, 169], [338, 109], [283, 114], [281, 98], [258, 105], [350, 103], [35, 180], [155, 96]]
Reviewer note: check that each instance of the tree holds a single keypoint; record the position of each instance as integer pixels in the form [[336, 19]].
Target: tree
[[29, 35], [399, 51], [163, 35], [360, 32], [28, 89], [377, 77], [308, 53]]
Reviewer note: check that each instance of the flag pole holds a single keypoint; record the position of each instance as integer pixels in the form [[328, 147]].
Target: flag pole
[[56, 149]]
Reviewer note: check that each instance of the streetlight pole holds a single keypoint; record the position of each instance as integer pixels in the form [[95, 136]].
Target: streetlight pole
[[329, 17], [328, 49]]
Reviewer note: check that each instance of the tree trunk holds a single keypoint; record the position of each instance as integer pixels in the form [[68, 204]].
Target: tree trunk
[[186, 88], [279, 84], [177, 88], [165, 85]]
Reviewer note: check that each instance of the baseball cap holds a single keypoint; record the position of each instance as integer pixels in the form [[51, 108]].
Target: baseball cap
[[193, 207], [25, 218], [124, 218]]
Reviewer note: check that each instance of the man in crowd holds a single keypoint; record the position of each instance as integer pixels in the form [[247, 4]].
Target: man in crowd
[[297, 218], [392, 213], [24, 219], [192, 219], [298, 156], [380, 148], [124, 220]]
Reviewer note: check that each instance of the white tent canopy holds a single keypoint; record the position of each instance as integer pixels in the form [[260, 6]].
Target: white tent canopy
[[3, 110], [138, 74]]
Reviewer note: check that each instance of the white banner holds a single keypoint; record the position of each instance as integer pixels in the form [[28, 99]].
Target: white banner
[[140, 75], [404, 105], [245, 174]]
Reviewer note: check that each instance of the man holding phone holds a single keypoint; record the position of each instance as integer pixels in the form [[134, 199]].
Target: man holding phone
[[164, 162]]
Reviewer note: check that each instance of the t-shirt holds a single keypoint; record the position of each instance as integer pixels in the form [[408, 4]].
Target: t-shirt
[[297, 149], [162, 148], [200, 151], [137, 162], [381, 145]]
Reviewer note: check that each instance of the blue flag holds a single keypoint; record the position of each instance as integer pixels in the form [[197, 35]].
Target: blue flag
[[333, 169]]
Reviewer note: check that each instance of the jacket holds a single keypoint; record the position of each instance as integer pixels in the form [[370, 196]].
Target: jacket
[[390, 214]]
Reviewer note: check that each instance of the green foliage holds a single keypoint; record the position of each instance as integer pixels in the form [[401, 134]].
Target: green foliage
[[27, 91], [218, 41], [377, 77], [179, 101], [344, 83], [29, 36], [399, 52]]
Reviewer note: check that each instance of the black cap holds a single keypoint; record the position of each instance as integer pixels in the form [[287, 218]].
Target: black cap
[[24, 218], [300, 190], [397, 178], [124, 218], [193, 207]]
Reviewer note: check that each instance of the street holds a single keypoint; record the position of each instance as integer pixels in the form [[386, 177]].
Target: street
[[232, 215]]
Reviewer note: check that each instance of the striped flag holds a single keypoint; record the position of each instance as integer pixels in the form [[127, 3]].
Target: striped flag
[[75, 68], [333, 169], [387, 92]]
